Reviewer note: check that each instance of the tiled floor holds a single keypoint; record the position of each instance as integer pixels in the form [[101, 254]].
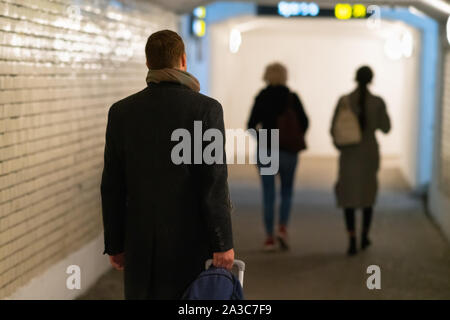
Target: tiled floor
[[413, 255]]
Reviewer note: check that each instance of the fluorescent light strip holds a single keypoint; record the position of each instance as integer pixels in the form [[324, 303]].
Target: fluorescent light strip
[[448, 30]]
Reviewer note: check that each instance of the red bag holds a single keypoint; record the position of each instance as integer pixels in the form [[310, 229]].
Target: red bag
[[291, 133]]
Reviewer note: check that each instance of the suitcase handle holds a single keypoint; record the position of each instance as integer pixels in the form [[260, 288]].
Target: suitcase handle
[[239, 263]]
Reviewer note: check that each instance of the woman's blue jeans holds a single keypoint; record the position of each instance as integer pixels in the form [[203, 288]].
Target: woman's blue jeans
[[288, 164]]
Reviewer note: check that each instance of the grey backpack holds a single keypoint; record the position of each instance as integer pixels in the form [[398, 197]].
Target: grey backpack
[[346, 129]]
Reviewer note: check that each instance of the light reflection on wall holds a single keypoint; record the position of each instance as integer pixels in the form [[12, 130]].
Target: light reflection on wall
[[71, 29]]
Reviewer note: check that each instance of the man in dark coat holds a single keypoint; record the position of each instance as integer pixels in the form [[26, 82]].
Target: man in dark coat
[[163, 220]]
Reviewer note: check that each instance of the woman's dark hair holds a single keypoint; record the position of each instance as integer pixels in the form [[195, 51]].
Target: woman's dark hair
[[364, 76]]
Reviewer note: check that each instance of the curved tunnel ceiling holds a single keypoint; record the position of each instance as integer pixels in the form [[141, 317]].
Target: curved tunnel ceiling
[[439, 9]]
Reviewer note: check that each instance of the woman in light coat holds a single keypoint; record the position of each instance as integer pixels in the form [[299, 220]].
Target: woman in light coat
[[357, 183]]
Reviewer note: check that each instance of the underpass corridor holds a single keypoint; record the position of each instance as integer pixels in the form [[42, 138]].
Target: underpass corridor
[[64, 63]]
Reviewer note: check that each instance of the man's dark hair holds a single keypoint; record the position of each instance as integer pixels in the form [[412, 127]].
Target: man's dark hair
[[164, 49]]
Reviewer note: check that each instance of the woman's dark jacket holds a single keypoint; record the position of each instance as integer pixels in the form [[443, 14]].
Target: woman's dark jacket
[[270, 103], [167, 218]]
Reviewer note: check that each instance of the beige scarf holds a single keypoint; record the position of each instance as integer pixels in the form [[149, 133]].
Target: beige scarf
[[173, 75]]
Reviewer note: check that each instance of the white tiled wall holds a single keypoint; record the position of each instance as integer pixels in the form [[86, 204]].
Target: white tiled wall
[[62, 64]]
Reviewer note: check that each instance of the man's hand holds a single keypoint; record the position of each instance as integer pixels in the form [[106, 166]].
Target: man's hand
[[224, 259], [118, 261]]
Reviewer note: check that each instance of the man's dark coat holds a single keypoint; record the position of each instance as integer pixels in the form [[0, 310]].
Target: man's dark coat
[[167, 218]]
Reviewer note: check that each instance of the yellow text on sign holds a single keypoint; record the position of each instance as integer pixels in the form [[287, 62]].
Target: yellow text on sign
[[345, 11]]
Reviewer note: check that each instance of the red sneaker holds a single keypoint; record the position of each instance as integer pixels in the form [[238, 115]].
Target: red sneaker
[[269, 244]]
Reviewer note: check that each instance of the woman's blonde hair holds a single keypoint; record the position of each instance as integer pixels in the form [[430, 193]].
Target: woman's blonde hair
[[275, 74]]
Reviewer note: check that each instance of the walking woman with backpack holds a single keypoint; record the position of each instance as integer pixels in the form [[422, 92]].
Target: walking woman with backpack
[[276, 107], [356, 119]]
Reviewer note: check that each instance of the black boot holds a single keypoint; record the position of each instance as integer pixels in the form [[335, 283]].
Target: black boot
[[352, 246], [367, 219], [365, 242]]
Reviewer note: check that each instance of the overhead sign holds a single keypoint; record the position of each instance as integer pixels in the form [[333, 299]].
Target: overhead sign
[[199, 27], [295, 9], [199, 12], [198, 24], [288, 9]]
